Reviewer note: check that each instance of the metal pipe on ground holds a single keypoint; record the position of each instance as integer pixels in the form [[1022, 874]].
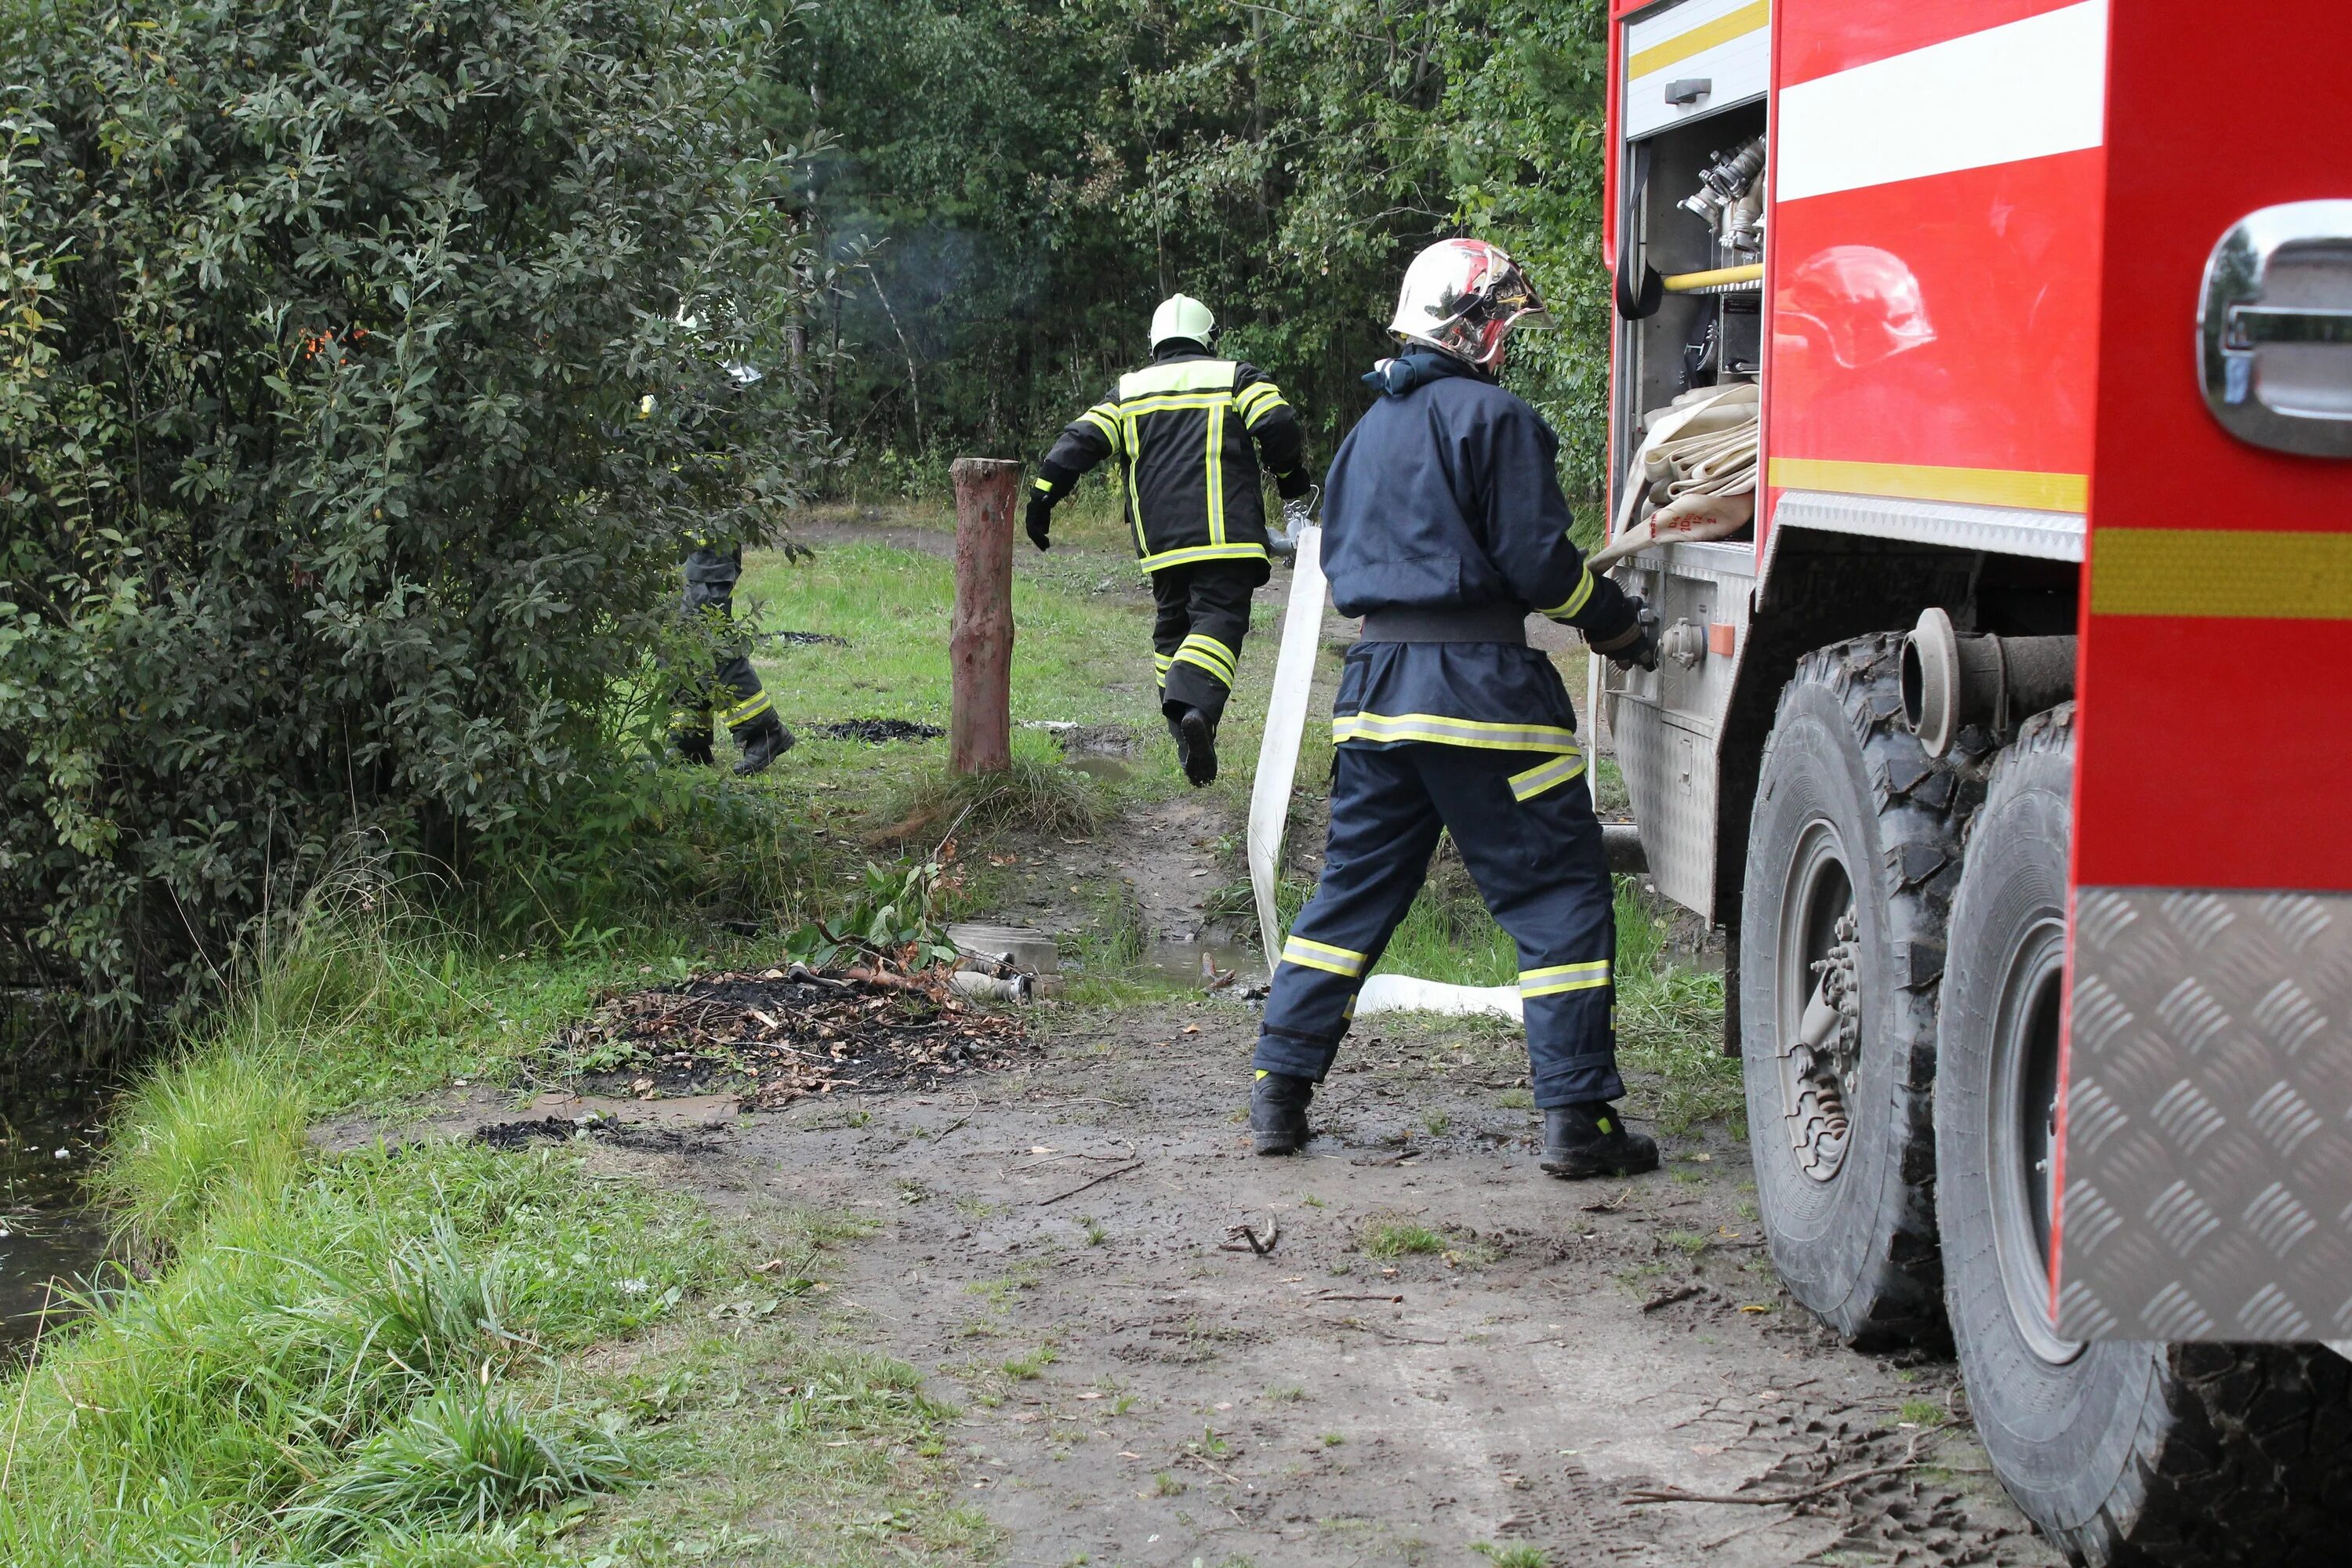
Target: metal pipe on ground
[[980, 639], [1951, 681], [1622, 841]]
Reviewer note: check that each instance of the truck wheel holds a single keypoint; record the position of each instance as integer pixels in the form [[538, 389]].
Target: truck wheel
[[2123, 1452], [1852, 851]]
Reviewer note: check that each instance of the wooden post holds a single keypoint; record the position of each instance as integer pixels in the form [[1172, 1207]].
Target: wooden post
[[980, 640]]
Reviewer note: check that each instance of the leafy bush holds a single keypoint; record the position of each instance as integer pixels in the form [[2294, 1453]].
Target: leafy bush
[[361, 364]]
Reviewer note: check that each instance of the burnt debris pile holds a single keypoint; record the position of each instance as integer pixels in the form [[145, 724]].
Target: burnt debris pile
[[781, 1035]]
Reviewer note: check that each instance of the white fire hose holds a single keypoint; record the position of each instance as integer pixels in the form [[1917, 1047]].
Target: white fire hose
[[1702, 449], [1277, 770]]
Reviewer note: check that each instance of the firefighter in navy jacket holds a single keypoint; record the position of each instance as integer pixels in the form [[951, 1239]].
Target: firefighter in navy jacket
[[1182, 428], [1443, 527]]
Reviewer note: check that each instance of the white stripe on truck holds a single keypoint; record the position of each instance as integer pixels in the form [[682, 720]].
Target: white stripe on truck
[[2029, 89]]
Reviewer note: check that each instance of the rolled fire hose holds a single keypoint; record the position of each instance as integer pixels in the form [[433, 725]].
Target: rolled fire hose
[[1277, 770], [1702, 449]]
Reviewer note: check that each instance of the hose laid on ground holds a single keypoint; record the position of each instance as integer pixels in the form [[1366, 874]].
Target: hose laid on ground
[[1286, 723], [1698, 468], [1278, 769]]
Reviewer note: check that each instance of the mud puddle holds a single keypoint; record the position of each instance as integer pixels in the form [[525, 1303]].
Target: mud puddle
[[50, 1236]]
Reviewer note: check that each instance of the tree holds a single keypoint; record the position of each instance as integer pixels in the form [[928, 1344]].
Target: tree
[[364, 361]]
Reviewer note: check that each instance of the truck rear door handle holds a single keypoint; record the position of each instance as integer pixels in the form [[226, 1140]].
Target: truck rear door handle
[[2273, 325], [2253, 325]]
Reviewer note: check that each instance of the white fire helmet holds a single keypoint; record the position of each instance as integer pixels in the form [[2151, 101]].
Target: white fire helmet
[[1181, 316], [1464, 296]]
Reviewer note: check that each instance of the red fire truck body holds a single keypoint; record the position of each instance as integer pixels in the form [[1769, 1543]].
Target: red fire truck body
[[2008, 741]]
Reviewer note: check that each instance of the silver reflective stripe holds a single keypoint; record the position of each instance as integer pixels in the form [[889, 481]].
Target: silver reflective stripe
[[1448, 731], [1549, 775], [1187, 375]]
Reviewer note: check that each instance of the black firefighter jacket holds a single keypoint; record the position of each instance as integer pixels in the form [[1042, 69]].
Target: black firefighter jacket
[[1444, 497], [1182, 428]]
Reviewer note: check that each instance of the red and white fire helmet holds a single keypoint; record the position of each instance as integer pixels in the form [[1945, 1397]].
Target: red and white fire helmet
[[1464, 296]]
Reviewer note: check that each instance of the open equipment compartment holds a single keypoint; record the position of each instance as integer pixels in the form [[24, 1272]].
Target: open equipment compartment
[[1691, 187]]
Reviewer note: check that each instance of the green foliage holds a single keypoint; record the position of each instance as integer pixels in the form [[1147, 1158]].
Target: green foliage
[[361, 364], [897, 914], [1018, 182]]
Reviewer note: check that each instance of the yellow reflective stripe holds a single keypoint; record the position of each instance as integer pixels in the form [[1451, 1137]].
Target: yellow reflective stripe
[[743, 712], [1204, 644], [1257, 392], [1104, 417], [2241, 574], [1211, 658], [1192, 553], [1560, 977], [1444, 731], [2031, 489], [1190, 375], [1322, 955], [1749, 18], [1575, 601], [1172, 403], [1217, 475], [1163, 661], [1042, 484], [1546, 775], [1258, 415]]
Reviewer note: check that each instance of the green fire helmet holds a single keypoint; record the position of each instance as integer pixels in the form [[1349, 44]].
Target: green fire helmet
[[1181, 316]]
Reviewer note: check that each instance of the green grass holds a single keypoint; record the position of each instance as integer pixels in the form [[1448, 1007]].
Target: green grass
[[1516, 1556], [415, 1355], [1399, 1238], [1081, 655]]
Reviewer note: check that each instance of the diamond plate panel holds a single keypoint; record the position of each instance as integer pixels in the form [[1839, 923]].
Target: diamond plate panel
[[2208, 1139]]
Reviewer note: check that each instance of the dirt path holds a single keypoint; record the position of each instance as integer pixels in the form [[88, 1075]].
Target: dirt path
[[1444, 1354], [1569, 1346]]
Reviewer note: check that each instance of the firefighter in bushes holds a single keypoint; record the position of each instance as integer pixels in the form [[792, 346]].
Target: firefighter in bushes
[[712, 574], [1443, 526], [1182, 428]]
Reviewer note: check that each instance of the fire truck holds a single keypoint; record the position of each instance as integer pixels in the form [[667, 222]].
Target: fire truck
[[1982, 436]]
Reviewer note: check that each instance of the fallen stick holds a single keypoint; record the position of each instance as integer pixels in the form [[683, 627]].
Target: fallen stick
[[1239, 1236], [1082, 1186], [1394, 1299], [1671, 1296], [1363, 1326]]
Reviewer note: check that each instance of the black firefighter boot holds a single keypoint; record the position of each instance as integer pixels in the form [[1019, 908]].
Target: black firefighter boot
[[1196, 746], [694, 746], [1582, 1141], [768, 741], [1278, 1112]]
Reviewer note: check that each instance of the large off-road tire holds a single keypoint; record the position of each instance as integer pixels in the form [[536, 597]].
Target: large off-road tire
[[1852, 852], [2123, 1452]]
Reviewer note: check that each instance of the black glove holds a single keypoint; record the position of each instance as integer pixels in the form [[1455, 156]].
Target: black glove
[[1635, 645], [1041, 519]]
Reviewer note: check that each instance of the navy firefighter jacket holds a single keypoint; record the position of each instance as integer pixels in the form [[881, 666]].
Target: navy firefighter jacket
[[1444, 497]]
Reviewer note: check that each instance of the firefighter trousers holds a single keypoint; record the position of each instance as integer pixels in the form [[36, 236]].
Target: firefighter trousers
[[1525, 828], [734, 688], [1196, 638]]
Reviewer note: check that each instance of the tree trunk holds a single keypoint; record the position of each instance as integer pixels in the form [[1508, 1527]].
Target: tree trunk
[[979, 641]]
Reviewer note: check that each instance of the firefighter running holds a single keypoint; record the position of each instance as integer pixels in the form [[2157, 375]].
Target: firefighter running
[[711, 577], [1182, 428], [1443, 525]]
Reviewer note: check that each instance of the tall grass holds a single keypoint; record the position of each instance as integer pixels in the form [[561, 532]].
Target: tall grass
[[303, 1355]]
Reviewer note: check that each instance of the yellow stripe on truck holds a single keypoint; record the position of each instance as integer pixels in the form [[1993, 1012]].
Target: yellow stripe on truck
[[1706, 35], [2217, 572], [2028, 490]]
